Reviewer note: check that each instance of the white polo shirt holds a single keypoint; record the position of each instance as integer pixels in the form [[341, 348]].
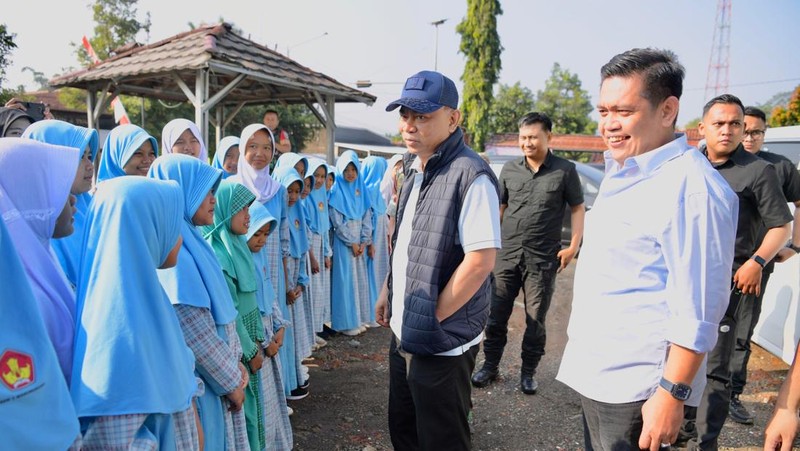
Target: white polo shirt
[[478, 228]]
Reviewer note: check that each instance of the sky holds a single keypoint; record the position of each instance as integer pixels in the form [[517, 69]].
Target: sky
[[387, 41]]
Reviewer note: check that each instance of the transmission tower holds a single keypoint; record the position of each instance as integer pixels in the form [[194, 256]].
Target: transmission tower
[[719, 62]]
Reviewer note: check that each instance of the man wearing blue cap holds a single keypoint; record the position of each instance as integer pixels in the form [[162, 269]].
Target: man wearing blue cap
[[436, 297]]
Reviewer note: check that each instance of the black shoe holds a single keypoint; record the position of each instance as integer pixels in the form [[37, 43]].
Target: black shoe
[[528, 384], [305, 385], [484, 376], [298, 393], [738, 412]]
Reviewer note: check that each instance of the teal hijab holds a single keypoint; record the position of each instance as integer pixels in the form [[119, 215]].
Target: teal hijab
[[231, 249], [130, 354], [35, 405], [68, 249], [120, 145], [197, 279]]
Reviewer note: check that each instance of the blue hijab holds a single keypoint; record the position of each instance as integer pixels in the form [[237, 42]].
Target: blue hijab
[[298, 240], [290, 159], [222, 151], [259, 217], [373, 170], [197, 279], [349, 198], [119, 147], [317, 201], [130, 354], [68, 249], [35, 405]]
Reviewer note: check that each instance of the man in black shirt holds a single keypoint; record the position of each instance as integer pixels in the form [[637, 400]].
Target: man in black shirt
[[534, 191], [755, 124], [761, 205]]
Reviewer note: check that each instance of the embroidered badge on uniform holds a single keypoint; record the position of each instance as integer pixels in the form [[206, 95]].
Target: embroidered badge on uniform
[[321, 206], [296, 223], [16, 369]]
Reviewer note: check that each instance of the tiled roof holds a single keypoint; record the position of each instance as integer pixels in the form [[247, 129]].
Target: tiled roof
[[271, 77]]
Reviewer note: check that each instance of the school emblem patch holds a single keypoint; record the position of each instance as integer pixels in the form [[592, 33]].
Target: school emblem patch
[[321, 206], [16, 369], [296, 223], [358, 192]]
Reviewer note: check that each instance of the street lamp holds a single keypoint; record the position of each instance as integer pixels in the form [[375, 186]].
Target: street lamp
[[436, 46], [289, 48]]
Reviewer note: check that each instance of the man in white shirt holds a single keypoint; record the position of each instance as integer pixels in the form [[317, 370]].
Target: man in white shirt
[[653, 278], [436, 299]]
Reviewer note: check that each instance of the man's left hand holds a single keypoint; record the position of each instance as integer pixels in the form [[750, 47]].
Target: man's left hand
[[748, 278], [565, 256], [661, 420]]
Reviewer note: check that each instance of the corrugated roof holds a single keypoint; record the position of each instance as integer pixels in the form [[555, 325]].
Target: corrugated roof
[[149, 70]]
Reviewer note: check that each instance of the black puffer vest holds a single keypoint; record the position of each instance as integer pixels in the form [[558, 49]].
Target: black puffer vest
[[435, 251]]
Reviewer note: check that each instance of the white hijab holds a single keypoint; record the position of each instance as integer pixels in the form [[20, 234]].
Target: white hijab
[[173, 130], [259, 182]]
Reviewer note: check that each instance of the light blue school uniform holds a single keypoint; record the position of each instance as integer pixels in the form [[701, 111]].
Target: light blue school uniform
[[35, 405], [351, 218], [68, 249], [197, 281], [378, 265], [130, 355]]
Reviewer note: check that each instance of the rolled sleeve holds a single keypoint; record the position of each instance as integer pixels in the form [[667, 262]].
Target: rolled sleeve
[[479, 221], [698, 249]]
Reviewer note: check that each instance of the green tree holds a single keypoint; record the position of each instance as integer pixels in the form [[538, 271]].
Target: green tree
[[510, 104], [566, 102], [480, 43], [116, 24], [788, 115], [693, 123], [7, 45]]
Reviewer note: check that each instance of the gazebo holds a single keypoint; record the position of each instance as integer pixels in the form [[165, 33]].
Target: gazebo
[[219, 72]]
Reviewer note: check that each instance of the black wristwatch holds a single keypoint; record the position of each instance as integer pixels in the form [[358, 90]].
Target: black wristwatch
[[761, 262], [681, 392]]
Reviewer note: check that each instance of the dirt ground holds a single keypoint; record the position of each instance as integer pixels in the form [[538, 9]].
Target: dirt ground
[[346, 409]]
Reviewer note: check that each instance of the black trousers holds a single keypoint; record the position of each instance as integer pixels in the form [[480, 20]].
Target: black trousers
[[538, 282], [705, 422], [611, 427], [429, 400], [746, 319]]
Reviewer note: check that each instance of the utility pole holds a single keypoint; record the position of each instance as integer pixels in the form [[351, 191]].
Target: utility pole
[[719, 61], [436, 45]]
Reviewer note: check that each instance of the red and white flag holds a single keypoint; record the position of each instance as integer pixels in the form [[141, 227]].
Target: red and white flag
[[120, 115]]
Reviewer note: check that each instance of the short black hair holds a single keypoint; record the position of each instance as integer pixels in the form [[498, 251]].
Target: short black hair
[[725, 99], [271, 111], [755, 112], [660, 70], [536, 118]]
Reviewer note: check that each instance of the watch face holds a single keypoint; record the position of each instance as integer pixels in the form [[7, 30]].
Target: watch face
[[681, 391]]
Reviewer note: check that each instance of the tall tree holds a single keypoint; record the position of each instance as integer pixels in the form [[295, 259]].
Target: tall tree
[[510, 104], [788, 115], [7, 44], [480, 43], [566, 102], [116, 24]]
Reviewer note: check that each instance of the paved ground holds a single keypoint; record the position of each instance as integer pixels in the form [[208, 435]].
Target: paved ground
[[349, 391]]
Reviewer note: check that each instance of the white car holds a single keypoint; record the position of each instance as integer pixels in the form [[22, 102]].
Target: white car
[[778, 329]]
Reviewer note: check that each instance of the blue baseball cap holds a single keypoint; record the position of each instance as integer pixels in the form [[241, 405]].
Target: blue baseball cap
[[426, 92]]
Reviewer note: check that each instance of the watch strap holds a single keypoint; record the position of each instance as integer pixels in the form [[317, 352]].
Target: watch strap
[[761, 262]]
